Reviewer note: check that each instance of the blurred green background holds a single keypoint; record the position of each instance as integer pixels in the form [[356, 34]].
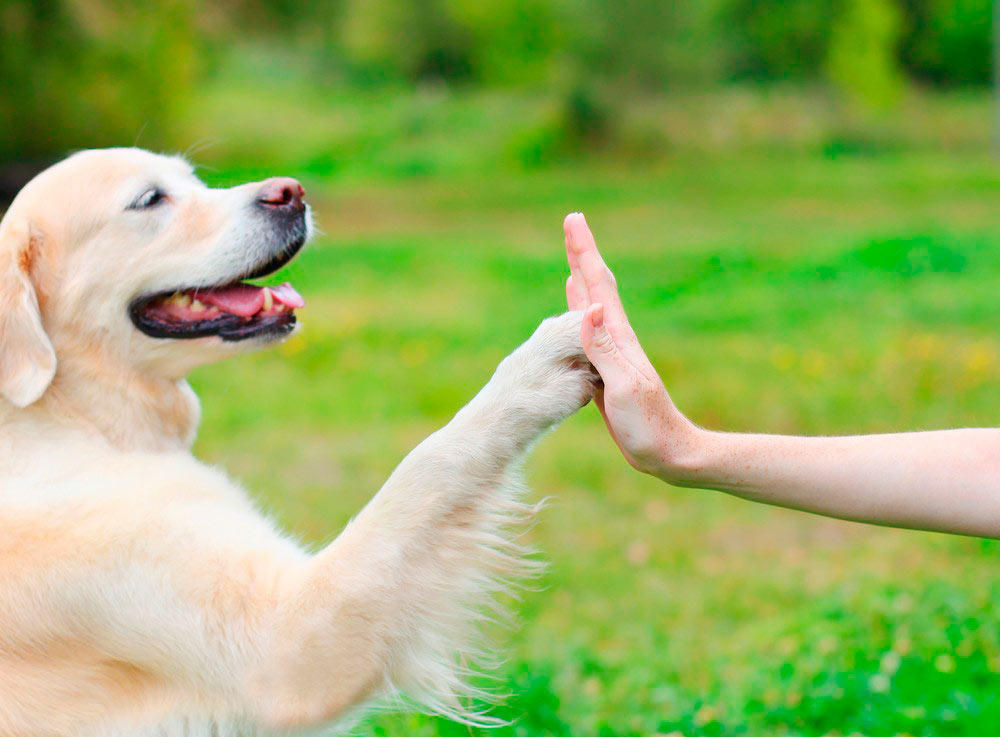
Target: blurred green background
[[799, 200]]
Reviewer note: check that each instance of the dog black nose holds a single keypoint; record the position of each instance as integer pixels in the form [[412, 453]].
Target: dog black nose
[[282, 193]]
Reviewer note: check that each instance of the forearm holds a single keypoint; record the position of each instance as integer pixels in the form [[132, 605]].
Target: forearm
[[947, 480]]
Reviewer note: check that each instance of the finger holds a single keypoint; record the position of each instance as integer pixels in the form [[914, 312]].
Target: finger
[[575, 298], [580, 297], [601, 349], [597, 278], [601, 286]]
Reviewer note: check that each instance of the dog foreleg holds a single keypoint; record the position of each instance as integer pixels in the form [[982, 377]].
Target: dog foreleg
[[393, 603]]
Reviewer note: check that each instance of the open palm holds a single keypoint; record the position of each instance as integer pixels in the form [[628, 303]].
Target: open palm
[[636, 407]]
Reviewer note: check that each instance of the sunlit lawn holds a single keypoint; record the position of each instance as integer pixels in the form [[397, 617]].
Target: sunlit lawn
[[784, 293]]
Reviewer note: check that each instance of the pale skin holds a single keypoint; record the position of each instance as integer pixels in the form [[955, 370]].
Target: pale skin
[[946, 480]]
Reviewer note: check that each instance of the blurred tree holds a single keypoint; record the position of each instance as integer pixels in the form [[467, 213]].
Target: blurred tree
[[77, 73], [412, 41], [862, 59], [615, 52], [626, 40], [947, 42], [515, 42], [778, 39], [80, 73]]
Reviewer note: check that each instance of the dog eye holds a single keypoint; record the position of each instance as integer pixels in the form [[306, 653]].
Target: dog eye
[[149, 198]]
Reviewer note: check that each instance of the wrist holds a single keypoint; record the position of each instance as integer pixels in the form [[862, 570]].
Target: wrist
[[686, 455]]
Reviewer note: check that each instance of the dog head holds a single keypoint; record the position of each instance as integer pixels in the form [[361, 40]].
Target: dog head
[[127, 254]]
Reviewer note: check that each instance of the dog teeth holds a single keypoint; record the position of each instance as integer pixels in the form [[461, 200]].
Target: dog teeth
[[197, 306], [181, 299], [279, 307], [268, 300]]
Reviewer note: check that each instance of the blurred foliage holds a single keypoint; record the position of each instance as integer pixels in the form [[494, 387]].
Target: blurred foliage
[[947, 42], [861, 59], [77, 73], [781, 39], [422, 39]]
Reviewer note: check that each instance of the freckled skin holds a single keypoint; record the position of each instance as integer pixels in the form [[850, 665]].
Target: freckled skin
[[947, 481]]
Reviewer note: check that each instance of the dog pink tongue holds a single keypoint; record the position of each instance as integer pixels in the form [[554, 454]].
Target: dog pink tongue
[[246, 300], [239, 299], [287, 295]]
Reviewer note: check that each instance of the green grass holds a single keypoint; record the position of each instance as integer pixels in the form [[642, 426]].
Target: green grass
[[785, 291]]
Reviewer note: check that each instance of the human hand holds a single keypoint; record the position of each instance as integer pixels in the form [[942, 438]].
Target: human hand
[[652, 434], [946, 480]]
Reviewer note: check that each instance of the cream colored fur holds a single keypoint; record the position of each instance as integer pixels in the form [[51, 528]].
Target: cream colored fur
[[141, 592]]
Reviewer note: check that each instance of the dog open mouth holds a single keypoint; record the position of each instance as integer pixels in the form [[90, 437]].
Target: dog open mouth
[[234, 311]]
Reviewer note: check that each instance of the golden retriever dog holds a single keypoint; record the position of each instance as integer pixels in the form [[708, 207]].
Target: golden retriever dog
[[141, 592]]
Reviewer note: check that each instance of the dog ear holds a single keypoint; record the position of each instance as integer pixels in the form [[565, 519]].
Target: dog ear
[[27, 358]]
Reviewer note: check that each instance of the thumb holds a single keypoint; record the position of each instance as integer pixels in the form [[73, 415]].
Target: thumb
[[600, 347]]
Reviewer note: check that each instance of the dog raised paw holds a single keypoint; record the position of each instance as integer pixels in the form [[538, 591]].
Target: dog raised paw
[[550, 372]]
